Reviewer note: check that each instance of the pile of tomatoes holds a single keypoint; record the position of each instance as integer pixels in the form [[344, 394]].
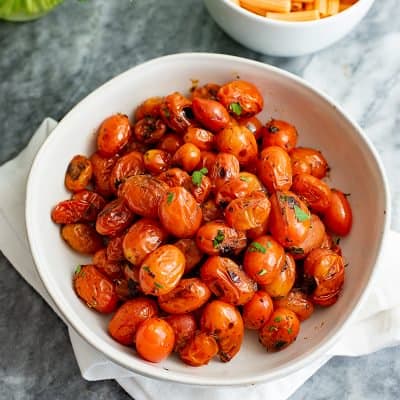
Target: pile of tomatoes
[[202, 222]]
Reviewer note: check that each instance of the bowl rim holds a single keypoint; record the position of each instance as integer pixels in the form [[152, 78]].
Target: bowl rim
[[152, 371], [293, 24]]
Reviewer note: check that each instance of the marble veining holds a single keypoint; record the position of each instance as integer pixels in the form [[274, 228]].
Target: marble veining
[[48, 65]]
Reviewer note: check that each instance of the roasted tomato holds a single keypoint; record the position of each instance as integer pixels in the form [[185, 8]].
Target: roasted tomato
[[327, 269], [184, 326], [280, 331], [248, 212], [179, 213], [156, 161], [289, 220], [71, 211], [253, 124], [149, 130], [149, 108], [82, 238], [331, 244], [115, 251], [216, 238], [187, 156], [314, 192], [338, 217], [264, 259], [258, 310], [241, 98], [201, 185], [176, 177], [239, 141], [113, 135], [161, 270], [128, 165], [211, 114], [274, 169], [79, 173], [128, 287], [199, 350], [143, 237], [189, 295], [95, 200], [102, 169], [200, 137], [207, 160], [227, 281], [95, 289], [176, 112], [126, 320], [284, 282], [208, 91], [114, 218], [224, 322], [113, 269], [308, 161], [226, 167], [143, 194], [192, 253], [170, 143], [154, 339], [261, 230], [211, 211], [298, 302], [314, 238], [279, 133]]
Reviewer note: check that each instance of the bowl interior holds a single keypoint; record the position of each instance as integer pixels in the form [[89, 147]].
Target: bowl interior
[[354, 169]]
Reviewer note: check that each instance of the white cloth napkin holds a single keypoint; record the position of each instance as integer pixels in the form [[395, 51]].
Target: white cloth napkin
[[378, 323]]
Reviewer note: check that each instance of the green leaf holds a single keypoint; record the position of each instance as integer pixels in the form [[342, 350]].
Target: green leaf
[[236, 108], [244, 179], [257, 247], [197, 176], [218, 239], [290, 331], [78, 269], [300, 214], [262, 272], [158, 285], [170, 197], [277, 319]]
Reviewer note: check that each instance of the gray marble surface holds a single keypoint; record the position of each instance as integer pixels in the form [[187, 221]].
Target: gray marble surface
[[48, 65]]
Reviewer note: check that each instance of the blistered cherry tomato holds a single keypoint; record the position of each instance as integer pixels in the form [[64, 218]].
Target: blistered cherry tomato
[[217, 238], [170, 143], [308, 161], [187, 156], [208, 91], [113, 135], [95, 200], [189, 295], [298, 302], [114, 249], [264, 259], [161, 270], [154, 339], [149, 108], [227, 281], [201, 188], [149, 130], [275, 169], [184, 326], [176, 177], [279, 133], [211, 211], [200, 137], [280, 331], [327, 269], [143, 237], [114, 218], [192, 253], [113, 269], [156, 161], [226, 167], [258, 310], [199, 350], [233, 189], [241, 98], [176, 112], [284, 282], [102, 169], [95, 289], [331, 244], [289, 220], [253, 124], [239, 141], [126, 320], [314, 192], [82, 238], [143, 194], [224, 322], [70, 211], [338, 217], [248, 212], [128, 165], [79, 173], [210, 113]]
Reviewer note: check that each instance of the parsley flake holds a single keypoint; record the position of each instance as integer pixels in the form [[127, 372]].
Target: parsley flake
[[257, 247], [78, 269], [277, 319], [218, 239], [236, 108], [300, 214], [262, 272], [244, 179], [272, 328], [290, 331], [170, 197], [158, 285], [197, 176]]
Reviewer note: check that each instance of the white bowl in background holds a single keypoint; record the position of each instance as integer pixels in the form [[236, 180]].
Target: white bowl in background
[[283, 38], [321, 123]]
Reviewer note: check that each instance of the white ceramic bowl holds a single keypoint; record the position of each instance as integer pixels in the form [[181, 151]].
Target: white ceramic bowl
[[282, 38], [321, 124]]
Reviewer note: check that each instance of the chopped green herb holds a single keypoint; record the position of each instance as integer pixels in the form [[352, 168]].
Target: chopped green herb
[[78, 269], [218, 239], [279, 344], [170, 197], [236, 108], [257, 247], [244, 179], [300, 214], [272, 328], [277, 319], [290, 331], [148, 270], [197, 176], [262, 272], [158, 286]]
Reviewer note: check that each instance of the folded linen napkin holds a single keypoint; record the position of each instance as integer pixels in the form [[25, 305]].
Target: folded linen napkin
[[378, 323]]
